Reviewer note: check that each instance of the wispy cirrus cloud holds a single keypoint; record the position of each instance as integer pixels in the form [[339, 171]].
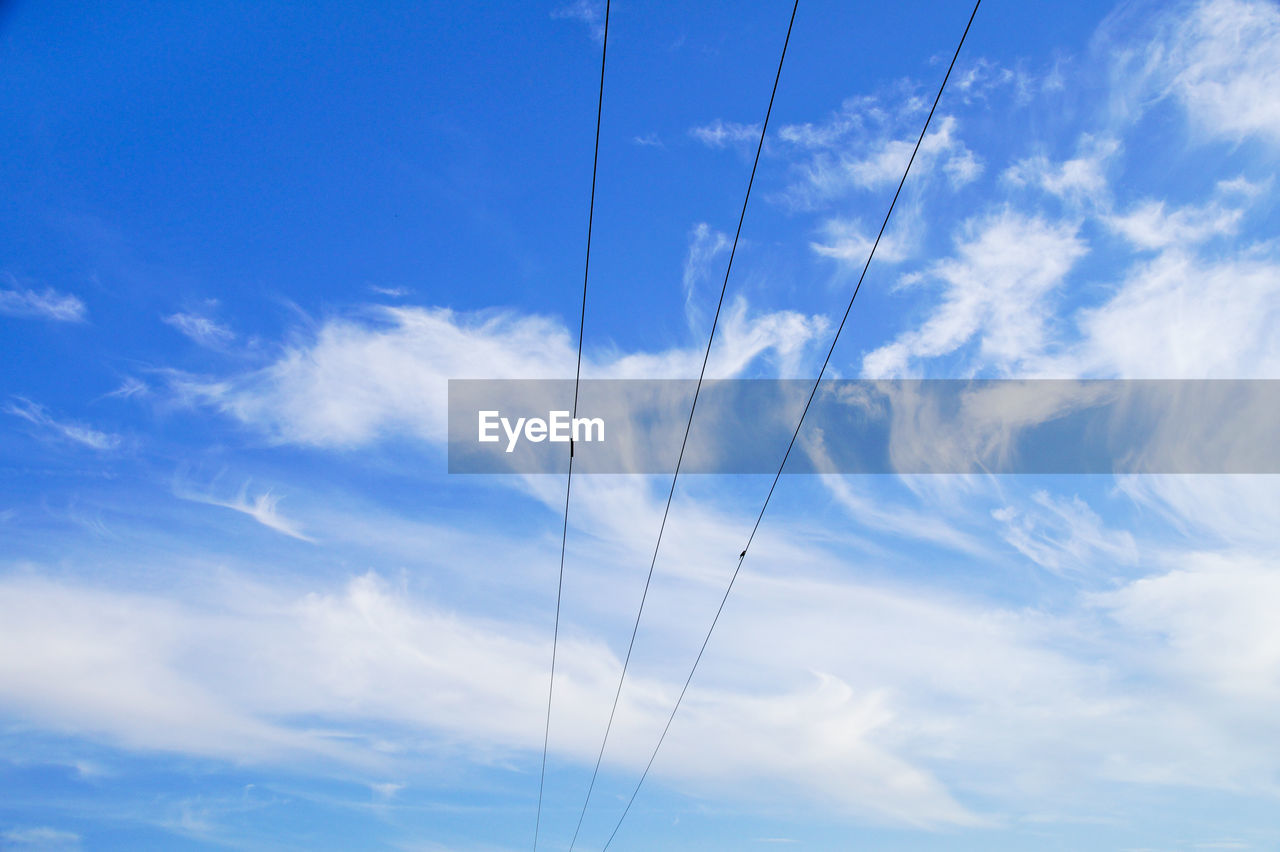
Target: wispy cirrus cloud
[[849, 242], [589, 12], [332, 660], [1220, 60], [982, 77], [201, 329], [1202, 57], [855, 735], [706, 246], [128, 389], [723, 134], [390, 292], [1081, 179], [959, 691], [995, 293], [1151, 226], [1066, 535], [866, 147], [261, 507], [1154, 224], [42, 837], [359, 381], [76, 433], [43, 304], [890, 665]]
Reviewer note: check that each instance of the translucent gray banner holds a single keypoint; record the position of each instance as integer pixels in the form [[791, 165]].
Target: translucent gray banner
[[896, 427]]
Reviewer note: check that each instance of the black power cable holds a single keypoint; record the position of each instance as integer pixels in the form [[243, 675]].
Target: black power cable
[[743, 555], [577, 377], [689, 425]]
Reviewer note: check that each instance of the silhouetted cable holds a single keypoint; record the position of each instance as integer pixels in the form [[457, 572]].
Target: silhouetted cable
[[688, 426], [577, 378], [743, 555]]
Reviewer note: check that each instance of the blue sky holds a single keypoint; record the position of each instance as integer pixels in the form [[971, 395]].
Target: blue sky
[[243, 247]]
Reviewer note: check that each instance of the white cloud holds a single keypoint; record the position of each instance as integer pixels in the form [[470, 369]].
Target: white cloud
[[1200, 308], [1198, 319], [1238, 510], [1081, 179], [35, 413], [1055, 713], [128, 389], [1180, 314], [41, 837], [909, 523], [1243, 187], [132, 669], [963, 167], [1221, 60], [842, 165], [1066, 535], [202, 330], [981, 77], [719, 134], [386, 789], [47, 304], [1211, 622], [995, 290], [589, 12], [998, 287], [109, 665], [782, 710], [1150, 226], [706, 245], [887, 699], [262, 508], [847, 242], [355, 382], [857, 116], [358, 382]]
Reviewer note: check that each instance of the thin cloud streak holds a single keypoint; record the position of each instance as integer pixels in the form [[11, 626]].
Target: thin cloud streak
[[261, 507], [45, 304], [76, 433]]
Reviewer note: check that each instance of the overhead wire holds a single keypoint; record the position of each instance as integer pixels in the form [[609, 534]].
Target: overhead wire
[[577, 379], [688, 426], [743, 555]]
